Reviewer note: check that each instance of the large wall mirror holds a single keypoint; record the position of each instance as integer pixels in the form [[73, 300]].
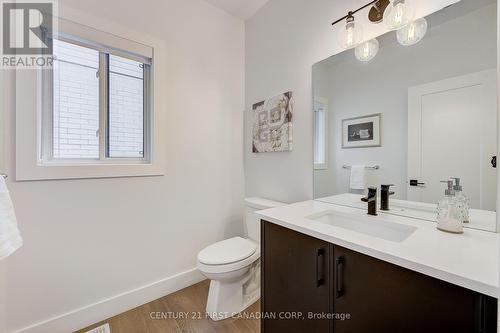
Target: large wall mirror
[[412, 117]]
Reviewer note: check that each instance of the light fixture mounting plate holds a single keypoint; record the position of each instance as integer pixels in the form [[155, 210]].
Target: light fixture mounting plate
[[376, 14]]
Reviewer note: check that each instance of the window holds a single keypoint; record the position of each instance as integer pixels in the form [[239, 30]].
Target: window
[[98, 112], [126, 108], [320, 133], [75, 113], [97, 105]]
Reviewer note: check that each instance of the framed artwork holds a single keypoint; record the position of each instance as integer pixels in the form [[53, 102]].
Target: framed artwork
[[361, 132], [272, 124]]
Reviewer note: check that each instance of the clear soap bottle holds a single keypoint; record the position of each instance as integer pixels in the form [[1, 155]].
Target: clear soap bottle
[[450, 217], [462, 199]]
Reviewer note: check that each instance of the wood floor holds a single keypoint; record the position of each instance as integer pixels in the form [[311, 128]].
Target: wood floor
[[191, 300]]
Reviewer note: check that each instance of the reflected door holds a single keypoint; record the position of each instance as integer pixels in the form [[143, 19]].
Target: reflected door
[[452, 126]]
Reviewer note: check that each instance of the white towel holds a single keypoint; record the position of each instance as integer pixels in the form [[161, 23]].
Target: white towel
[[10, 238], [358, 177]]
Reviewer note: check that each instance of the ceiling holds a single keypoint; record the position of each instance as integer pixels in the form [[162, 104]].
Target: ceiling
[[243, 9]]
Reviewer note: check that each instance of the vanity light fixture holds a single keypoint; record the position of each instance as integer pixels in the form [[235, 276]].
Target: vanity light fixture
[[366, 51], [352, 35], [412, 33], [398, 14]]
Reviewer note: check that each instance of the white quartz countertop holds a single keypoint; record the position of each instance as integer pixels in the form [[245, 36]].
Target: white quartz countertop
[[470, 260]]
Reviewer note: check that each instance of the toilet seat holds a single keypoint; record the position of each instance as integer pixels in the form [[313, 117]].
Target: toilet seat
[[227, 251], [228, 255]]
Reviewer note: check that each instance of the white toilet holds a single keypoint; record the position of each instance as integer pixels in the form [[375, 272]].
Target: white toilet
[[233, 266]]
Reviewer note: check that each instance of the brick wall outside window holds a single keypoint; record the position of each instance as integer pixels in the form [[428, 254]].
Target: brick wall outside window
[[76, 104], [126, 87]]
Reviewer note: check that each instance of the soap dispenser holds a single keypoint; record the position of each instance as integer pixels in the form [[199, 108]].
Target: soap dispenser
[[462, 200], [449, 217]]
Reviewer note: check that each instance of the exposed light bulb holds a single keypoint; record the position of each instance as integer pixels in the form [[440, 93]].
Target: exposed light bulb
[[412, 33], [351, 35], [367, 50], [398, 14]]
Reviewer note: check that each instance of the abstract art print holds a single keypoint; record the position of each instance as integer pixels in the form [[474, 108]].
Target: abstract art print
[[272, 124], [361, 132]]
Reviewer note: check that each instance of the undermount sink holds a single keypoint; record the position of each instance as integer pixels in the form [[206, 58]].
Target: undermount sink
[[374, 226]]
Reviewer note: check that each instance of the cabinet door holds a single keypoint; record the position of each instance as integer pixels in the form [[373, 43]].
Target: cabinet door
[[295, 281], [381, 297]]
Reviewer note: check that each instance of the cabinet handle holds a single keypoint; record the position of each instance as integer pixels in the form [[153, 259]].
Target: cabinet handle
[[320, 267], [339, 283], [481, 321]]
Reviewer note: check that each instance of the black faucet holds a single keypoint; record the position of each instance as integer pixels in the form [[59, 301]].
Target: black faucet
[[371, 199], [384, 196]]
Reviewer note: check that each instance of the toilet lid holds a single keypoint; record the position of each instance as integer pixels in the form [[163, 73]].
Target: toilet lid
[[227, 252]]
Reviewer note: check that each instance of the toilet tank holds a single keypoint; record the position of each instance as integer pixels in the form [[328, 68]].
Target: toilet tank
[[252, 222]]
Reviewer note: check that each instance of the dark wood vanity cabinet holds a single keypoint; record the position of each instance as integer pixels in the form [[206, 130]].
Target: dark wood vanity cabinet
[[305, 280], [296, 279], [381, 297]]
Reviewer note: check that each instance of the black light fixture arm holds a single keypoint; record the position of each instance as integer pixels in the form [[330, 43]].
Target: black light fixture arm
[[352, 12]]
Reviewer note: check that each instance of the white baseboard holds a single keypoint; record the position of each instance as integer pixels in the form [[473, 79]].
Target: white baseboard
[[94, 313]]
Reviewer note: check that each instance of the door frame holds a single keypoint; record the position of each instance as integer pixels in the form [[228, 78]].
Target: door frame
[[482, 78]]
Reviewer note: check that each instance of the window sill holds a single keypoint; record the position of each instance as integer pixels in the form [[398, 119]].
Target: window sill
[[90, 171]]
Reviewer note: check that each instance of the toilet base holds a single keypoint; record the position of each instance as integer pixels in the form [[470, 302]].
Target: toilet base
[[227, 298]]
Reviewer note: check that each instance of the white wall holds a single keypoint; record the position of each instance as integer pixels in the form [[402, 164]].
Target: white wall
[[88, 240], [283, 40], [355, 89]]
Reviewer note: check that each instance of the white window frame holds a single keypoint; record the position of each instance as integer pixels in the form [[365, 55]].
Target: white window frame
[[323, 103], [47, 84], [30, 104]]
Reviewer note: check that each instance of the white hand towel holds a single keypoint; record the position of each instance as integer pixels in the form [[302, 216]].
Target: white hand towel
[[10, 238], [358, 177]]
